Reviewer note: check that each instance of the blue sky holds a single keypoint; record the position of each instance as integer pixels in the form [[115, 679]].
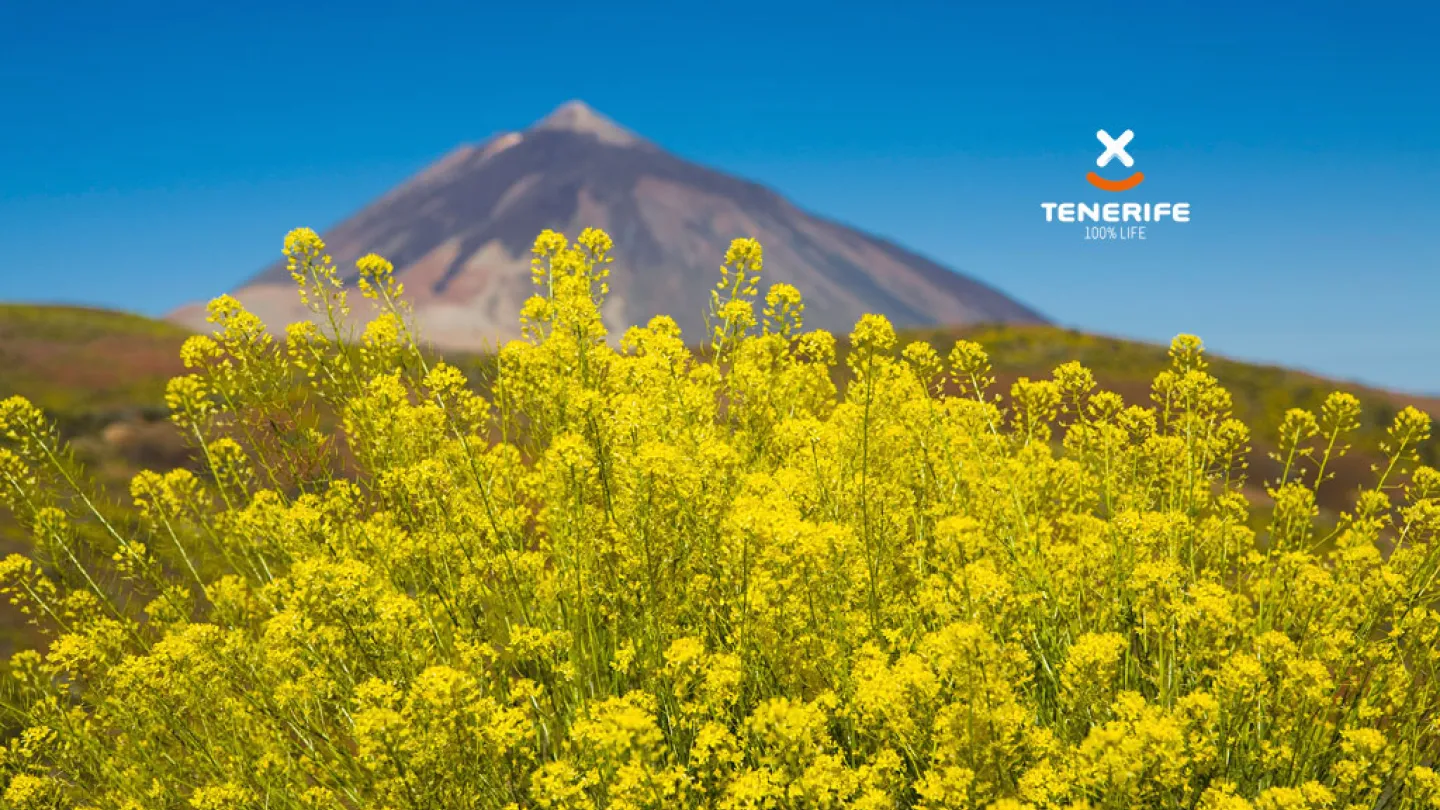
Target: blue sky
[[155, 153]]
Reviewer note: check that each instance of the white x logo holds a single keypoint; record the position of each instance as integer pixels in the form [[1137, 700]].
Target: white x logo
[[1115, 147]]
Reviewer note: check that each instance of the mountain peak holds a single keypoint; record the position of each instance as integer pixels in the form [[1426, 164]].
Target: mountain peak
[[579, 117], [461, 236]]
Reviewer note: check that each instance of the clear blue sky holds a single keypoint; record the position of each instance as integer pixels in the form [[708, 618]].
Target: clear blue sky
[[155, 153]]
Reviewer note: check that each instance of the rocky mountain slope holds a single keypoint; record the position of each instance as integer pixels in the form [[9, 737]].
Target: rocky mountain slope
[[460, 233]]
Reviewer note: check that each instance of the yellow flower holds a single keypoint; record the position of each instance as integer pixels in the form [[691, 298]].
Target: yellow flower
[[780, 570]]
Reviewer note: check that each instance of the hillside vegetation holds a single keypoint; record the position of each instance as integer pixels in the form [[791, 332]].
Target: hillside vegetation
[[102, 375], [80, 364]]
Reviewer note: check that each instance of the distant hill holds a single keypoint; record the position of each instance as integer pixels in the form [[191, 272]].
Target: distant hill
[[76, 362], [460, 233]]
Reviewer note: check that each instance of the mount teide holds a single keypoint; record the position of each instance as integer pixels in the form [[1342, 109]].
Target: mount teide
[[459, 234]]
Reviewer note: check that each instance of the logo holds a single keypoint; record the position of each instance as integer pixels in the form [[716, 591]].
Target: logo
[[1115, 148]]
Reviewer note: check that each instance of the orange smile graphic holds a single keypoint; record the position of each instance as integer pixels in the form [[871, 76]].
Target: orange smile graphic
[[1115, 185]]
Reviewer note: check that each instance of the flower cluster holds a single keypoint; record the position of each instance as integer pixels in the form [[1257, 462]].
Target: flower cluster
[[623, 573]]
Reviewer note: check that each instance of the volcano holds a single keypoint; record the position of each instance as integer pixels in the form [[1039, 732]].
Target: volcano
[[459, 234]]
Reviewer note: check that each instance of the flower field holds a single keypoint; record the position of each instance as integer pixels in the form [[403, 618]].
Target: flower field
[[630, 576]]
